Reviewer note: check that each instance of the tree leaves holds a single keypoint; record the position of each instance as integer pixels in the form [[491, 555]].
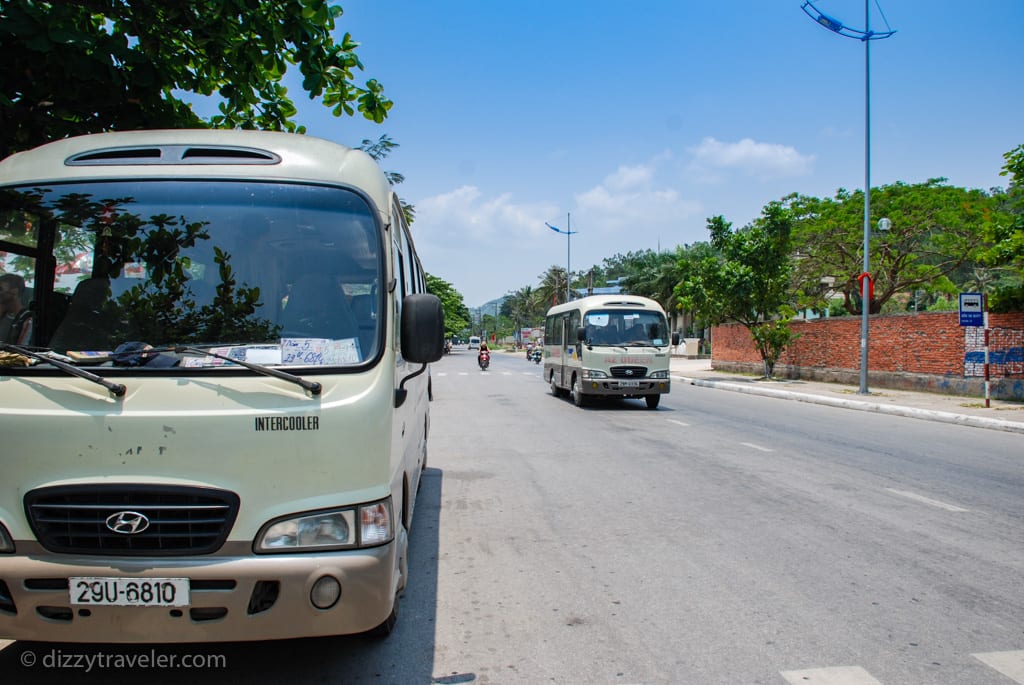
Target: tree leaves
[[102, 65]]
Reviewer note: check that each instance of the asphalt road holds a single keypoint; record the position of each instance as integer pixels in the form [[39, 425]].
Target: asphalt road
[[723, 538]]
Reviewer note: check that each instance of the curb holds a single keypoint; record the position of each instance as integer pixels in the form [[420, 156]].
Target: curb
[[894, 410]]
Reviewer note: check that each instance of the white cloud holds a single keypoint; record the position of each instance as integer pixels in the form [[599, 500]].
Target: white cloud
[[633, 196], [465, 214], [626, 177], [749, 157]]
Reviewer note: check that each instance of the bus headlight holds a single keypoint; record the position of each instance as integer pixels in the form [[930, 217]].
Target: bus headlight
[[659, 374], [367, 525], [590, 374]]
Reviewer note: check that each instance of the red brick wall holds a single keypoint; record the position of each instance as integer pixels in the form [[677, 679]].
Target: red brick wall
[[924, 343]]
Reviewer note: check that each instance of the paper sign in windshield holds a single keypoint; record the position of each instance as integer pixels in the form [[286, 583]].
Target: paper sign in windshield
[[319, 351]]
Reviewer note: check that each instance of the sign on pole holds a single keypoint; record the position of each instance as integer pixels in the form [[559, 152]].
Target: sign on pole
[[971, 309]]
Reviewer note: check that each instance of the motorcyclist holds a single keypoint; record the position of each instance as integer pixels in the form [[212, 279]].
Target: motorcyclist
[[483, 350]]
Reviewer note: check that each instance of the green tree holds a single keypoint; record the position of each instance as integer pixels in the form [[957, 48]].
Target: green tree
[[654, 275], [935, 230], [551, 290], [99, 65], [523, 308], [746, 279], [456, 314], [1007, 238]]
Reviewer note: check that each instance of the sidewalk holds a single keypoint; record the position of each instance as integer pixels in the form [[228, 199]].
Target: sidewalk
[[967, 411]]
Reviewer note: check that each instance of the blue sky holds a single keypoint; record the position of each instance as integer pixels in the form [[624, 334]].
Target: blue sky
[[643, 119]]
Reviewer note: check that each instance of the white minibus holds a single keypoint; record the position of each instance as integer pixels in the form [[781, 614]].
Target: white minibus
[[219, 425], [608, 346]]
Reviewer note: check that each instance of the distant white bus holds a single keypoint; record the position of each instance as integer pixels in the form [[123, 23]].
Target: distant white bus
[[220, 425], [608, 346]]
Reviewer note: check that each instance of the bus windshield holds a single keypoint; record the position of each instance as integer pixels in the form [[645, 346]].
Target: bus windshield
[[268, 272], [625, 328]]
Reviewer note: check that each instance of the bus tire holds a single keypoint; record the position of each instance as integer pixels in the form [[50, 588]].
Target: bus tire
[[555, 390], [578, 398], [652, 401]]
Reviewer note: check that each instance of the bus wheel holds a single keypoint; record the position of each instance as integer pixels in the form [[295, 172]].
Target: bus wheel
[[578, 397], [652, 401], [555, 390]]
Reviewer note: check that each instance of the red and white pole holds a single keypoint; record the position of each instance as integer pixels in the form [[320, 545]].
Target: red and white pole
[[985, 325]]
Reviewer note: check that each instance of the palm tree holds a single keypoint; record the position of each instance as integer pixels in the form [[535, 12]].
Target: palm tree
[[552, 286]]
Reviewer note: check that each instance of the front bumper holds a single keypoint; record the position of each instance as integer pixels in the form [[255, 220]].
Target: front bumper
[[235, 596], [611, 387]]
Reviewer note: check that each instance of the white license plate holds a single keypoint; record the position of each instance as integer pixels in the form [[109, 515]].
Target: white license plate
[[629, 384], [131, 592]]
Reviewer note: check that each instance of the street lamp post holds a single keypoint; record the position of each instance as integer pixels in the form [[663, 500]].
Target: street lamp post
[[568, 251], [865, 36]]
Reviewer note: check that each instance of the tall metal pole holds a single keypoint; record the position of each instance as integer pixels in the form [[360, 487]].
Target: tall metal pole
[[568, 254], [866, 35], [866, 281]]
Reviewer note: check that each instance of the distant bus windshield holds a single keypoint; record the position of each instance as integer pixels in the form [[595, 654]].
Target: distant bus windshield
[[625, 327]]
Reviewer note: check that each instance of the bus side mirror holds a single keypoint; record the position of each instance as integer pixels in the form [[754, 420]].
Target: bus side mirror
[[581, 333], [675, 338], [422, 328]]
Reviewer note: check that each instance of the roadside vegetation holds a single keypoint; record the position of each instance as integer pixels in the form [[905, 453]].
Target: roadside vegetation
[[105, 65]]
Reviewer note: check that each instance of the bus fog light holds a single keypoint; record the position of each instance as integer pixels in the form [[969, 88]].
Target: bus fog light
[[325, 593]]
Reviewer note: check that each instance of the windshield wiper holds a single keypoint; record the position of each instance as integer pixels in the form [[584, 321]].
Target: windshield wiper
[[312, 386], [117, 389]]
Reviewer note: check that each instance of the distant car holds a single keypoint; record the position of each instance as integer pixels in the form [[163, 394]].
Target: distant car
[[474, 342]]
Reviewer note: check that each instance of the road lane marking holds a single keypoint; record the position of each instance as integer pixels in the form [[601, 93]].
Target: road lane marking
[[678, 423], [837, 675], [927, 500], [756, 447], [1010, 664]]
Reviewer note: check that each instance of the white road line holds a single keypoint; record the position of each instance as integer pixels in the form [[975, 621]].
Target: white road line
[[757, 447], [838, 675], [678, 423], [1010, 664], [927, 500]]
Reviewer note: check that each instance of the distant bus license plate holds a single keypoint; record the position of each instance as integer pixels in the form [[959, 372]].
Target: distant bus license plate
[[137, 592], [629, 384]]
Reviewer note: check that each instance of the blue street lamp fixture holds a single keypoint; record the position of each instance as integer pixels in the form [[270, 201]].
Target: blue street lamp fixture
[[866, 36], [568, 251]]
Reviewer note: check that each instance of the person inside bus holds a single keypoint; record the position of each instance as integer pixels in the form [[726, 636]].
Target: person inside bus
[[636, 333], [17, 319]]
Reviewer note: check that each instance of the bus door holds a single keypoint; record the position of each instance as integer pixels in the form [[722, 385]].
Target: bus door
[[565, 344]]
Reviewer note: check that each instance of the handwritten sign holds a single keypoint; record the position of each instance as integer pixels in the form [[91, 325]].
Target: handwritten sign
[[319, 351]]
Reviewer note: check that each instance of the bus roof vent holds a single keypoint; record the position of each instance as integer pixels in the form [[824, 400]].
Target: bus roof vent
[[173, 154]]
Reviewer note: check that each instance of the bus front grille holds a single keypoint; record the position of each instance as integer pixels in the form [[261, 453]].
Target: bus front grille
[[628, 372], [131, 520]]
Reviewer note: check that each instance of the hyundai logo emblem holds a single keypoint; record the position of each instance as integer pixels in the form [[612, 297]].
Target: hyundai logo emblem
[[127, 522], [629, 372]]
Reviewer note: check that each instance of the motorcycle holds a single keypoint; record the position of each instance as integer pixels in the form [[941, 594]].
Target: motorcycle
[[536, 356], [484, 360]]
